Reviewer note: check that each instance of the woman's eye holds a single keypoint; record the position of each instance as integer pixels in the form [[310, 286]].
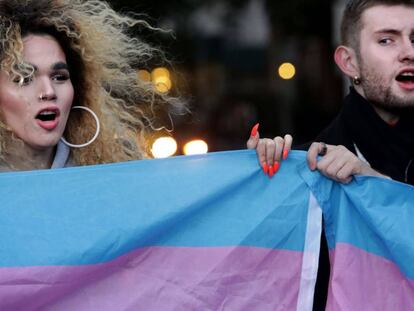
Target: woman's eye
[[61, 77], [23, 80]]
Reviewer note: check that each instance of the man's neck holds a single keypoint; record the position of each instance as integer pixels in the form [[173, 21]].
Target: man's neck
[[387, 116]]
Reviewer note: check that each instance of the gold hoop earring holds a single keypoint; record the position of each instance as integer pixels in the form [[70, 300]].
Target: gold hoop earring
[[98, 128], [357, 80]]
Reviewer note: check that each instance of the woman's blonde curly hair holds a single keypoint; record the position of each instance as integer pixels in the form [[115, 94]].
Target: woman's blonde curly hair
[[103, 59]]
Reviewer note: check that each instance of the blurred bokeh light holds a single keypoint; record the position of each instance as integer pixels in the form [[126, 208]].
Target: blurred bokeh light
[[144, 75], [164, 147], [195, 147], [287, 71], [161, 78]]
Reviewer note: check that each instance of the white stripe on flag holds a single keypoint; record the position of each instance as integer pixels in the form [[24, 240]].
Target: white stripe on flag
[[310, 255]]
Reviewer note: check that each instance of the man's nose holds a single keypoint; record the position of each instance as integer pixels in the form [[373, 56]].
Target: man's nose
[[407, 51]]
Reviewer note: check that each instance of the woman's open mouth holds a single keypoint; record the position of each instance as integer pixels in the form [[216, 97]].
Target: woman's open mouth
[[48, 118]]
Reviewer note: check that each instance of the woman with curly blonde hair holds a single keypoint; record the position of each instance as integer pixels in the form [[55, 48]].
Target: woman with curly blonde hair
[[67, 80]]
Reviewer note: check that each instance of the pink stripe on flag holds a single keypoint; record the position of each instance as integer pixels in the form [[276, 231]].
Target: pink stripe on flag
[[364, 281], [161, 278]]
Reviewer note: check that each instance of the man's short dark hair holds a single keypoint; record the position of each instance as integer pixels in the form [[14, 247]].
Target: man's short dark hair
[[351, 21]]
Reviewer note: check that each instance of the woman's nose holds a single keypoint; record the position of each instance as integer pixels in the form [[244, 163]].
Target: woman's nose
[[46, 90]]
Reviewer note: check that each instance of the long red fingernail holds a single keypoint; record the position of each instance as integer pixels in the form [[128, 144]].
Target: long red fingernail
[[285, 154], [271, 172], [276, 166], [265, 168], [254, 130]]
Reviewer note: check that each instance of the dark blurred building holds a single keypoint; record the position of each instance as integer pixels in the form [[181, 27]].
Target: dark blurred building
[[226, 55]]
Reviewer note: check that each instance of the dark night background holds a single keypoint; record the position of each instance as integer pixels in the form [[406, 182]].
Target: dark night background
[[225, 56]]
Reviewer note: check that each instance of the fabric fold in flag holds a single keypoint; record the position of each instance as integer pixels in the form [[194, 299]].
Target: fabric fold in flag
[[369, 228], [207, 232]]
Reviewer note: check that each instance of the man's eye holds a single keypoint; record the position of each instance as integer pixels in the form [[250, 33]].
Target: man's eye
[[385, 41]]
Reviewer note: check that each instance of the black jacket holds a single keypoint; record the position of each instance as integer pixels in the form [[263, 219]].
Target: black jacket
[[388, 149]]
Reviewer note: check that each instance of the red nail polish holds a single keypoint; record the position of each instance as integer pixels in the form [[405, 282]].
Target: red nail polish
[[276, 166], [265, 168], [271, 173], [254, 130], [285, 154]]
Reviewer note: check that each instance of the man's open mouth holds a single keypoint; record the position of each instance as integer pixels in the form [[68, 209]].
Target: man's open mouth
[[407, 76]]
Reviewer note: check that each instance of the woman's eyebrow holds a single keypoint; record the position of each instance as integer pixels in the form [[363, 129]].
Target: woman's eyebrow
[[56, 66], [60, 66]]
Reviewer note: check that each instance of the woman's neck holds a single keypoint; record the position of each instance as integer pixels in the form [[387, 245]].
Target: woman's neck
[[25, 158]]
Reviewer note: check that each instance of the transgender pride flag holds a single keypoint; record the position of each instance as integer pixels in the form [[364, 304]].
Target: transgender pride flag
[[207, 232], [187, 233]]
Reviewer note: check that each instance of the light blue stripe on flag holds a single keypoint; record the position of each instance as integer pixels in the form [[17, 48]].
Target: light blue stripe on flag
[[371, 213], [87, 215]]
